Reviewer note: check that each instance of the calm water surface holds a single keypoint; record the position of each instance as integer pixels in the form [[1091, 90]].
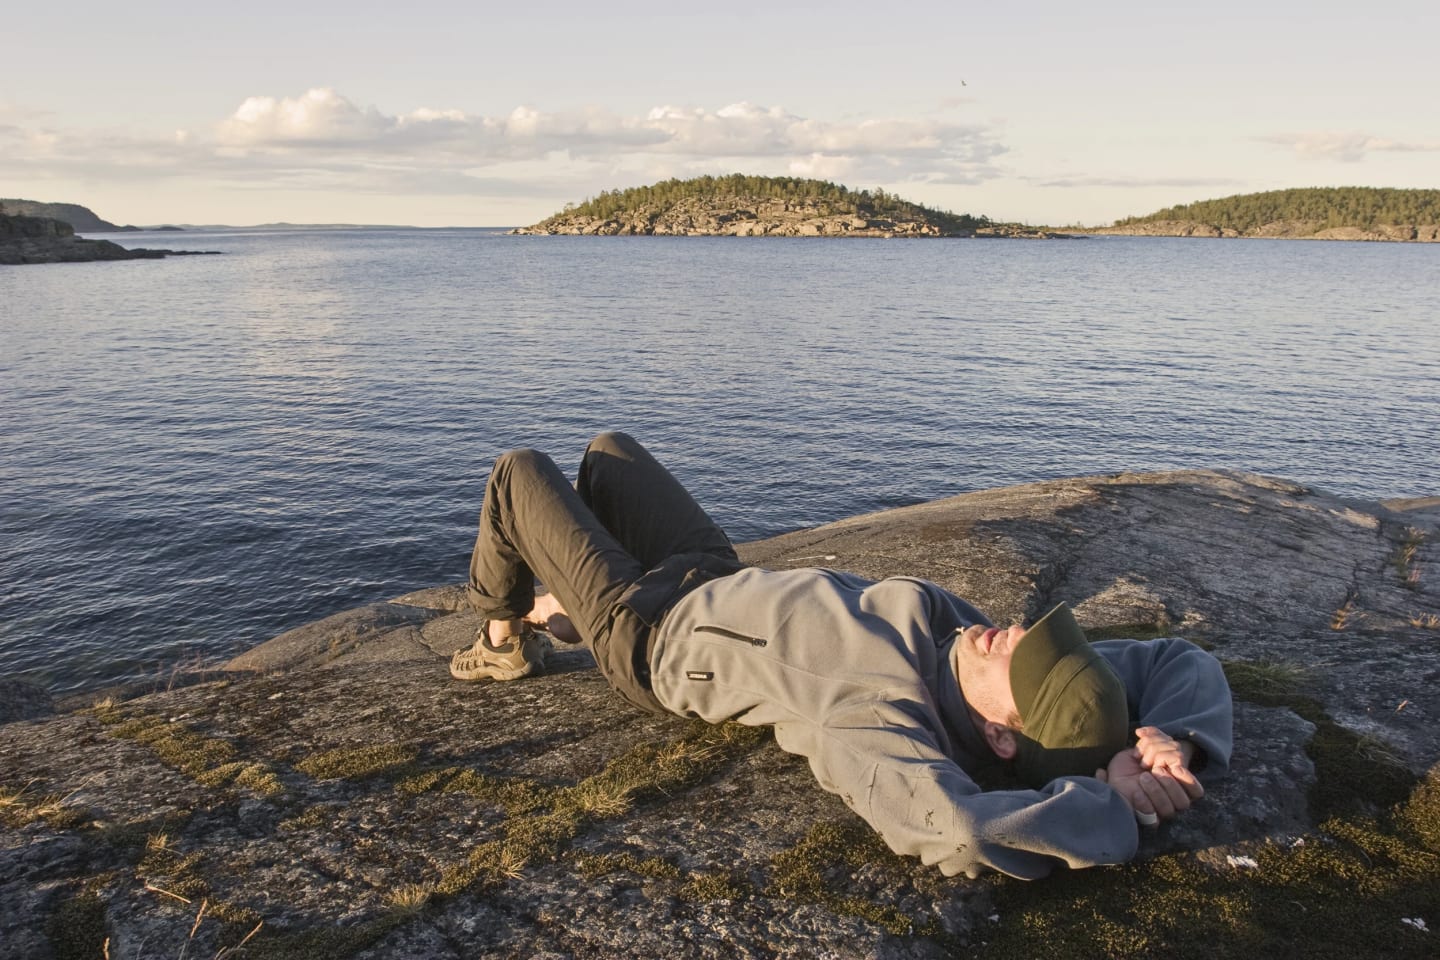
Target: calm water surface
[[200, 453]]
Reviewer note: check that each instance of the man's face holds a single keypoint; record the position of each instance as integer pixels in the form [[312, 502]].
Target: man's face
[[984, 671]]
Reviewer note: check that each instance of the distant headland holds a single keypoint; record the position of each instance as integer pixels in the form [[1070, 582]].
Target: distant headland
[[745, 206], [83, 219], [1314, 213], [26, 238]]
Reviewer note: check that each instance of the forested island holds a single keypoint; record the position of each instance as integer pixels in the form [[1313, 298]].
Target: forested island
[[746, 206], [1316, 213]]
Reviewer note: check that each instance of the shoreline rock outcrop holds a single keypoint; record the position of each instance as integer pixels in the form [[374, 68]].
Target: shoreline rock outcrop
[[25, 240], [1278, 230], [332, 793], [731, 216]]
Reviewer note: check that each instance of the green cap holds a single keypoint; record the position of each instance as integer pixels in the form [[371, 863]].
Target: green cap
[[1071, 702]]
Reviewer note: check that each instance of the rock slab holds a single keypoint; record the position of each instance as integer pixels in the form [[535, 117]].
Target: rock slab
[[40, 240], [337, 795]]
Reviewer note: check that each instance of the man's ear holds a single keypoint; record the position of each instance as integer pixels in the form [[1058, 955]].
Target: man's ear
[[1001, 740]]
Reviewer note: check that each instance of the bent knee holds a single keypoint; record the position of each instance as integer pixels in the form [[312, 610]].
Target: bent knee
[[524, 459], [613, 441]]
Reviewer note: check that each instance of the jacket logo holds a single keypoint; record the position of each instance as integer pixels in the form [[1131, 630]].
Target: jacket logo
[[699, 675]]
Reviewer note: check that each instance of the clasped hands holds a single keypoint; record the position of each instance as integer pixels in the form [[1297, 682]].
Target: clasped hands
[[1154, 776]]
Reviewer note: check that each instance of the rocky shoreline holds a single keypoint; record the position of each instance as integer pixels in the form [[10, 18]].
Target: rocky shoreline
[[1279, 230], [26, 240], [754, 217], [332, 793]]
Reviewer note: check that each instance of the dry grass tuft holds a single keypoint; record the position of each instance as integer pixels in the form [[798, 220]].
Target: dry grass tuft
[[19, 806], [1344, 615], [1403, 559], [412, 897]]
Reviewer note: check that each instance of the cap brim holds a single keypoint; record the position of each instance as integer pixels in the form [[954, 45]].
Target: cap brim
[[1045, 644]]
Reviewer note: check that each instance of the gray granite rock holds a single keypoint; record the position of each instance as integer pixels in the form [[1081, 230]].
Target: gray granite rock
[[342, 793], [41, 240], [23, 700]]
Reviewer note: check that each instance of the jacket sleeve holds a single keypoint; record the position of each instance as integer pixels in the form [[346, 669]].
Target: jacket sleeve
[[1174, 685], [880, 756]]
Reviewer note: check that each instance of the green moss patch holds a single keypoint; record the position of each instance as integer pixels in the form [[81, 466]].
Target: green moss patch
[[715, 885], [517, 795], [704, 885], [132, 838], [816, 868], [358, 763], [543, 821], [77, 928], [176, 874], [313, 817], [1341, 894], [1352, 772], [653, 868], [327, 941], [206, 760], [1265, 682], [250, 775], [540, 823], [172, 871]]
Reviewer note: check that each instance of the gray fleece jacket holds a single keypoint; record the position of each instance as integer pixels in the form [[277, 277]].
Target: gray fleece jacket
[[859, 678]]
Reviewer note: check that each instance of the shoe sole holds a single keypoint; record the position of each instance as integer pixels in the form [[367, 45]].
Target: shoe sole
[[493, 671]]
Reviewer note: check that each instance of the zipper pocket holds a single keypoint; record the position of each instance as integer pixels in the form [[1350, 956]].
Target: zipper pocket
[[732, 635]]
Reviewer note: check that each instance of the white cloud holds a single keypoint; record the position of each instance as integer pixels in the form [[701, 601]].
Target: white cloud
[[1345, 147], [320, 115], [322, 140], [322, 124], [818, 166]]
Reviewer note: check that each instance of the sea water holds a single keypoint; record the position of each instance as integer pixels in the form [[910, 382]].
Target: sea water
[[198, 453]]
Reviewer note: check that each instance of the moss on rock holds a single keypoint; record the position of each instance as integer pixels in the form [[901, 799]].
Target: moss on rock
[[77, 928]]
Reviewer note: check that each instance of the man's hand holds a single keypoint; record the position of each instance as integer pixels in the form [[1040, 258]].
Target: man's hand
[[548, 614], [1159, 751], [1152, 777]]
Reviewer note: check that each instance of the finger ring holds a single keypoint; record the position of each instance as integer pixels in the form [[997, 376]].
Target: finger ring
[[1147, 819]]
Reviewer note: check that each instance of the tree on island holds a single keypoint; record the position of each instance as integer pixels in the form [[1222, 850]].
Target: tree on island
[[1327, 207], [830, 198]]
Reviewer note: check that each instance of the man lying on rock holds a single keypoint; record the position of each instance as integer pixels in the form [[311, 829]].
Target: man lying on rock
[[892, 690]]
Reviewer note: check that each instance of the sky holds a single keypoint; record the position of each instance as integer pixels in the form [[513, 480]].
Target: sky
[[438, 113]]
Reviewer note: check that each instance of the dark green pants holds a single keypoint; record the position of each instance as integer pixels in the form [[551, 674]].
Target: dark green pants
[[591, 545]]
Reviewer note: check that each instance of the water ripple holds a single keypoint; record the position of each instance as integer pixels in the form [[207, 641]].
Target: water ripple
[[200, 453]]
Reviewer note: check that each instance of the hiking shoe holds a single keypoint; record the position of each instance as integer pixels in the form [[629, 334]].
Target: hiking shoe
[[519, 656]]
